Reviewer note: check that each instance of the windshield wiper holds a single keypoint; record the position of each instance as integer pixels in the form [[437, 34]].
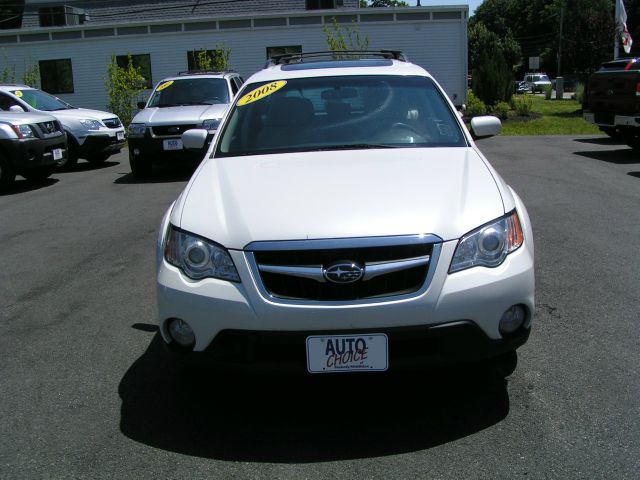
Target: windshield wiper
[[352, 146]]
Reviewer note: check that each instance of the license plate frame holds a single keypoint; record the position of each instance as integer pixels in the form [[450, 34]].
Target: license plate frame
[[344, 353], [172, 144]]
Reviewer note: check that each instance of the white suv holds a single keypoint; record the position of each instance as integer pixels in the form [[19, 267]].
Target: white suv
[[177, 104], [92, 134], [345, 221]]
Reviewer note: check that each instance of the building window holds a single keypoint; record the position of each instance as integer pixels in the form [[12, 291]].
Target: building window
[[143, 62], [271, 51], [321, 4], [205, 59], [56, 76]]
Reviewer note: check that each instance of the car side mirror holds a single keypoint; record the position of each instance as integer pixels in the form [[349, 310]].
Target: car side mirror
[[16, 109], [194, 139], [486, 126], [141, 105]]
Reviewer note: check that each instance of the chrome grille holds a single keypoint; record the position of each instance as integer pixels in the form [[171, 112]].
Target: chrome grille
[[112, 122], [49, 127], [299, 270], [171, 130]]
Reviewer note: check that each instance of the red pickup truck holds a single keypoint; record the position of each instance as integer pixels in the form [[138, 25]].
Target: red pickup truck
[[612, 99]]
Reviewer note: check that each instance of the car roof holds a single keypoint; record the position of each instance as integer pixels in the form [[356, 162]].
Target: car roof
[[332, 68], [187, 75], [12, 86]]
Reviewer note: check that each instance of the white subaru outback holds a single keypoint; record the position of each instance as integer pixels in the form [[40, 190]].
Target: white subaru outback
[[345, 221]]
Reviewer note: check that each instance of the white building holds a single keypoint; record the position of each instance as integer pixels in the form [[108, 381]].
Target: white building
[[73, 55]]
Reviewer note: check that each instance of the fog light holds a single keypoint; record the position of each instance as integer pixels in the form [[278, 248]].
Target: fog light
[[512, 319], [181, 333]]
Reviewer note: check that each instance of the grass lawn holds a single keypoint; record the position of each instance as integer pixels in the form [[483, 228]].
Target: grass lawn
[[559, 117]]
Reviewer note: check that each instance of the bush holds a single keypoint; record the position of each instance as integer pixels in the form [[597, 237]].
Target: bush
[[522, 105], [500, 110], [492, 78], [548, 89], [579, 94], [475, 106]]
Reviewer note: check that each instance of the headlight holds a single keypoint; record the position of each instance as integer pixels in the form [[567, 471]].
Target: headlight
[[23, 131], [137, 129], [90, 124], [488, 245], [211, 124], [199, 258]]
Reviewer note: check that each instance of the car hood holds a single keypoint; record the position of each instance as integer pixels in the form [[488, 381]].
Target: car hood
[[179, 115], [25, 118], [81, 113], [339, 194]]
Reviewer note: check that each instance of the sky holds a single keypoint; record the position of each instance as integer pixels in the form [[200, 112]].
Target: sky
[[473, 4]]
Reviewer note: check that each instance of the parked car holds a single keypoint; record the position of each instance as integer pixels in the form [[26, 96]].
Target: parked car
[[92, 134], [177, 104], [537, 81], [343, 220], [612, 99], [31, 145]]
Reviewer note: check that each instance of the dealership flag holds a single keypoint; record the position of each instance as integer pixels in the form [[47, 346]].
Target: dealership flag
[[621, 26]]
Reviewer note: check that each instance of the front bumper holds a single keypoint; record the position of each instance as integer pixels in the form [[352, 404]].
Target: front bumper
[[152, 148], [30, 153], [611, 120], [98, 143], [469, 303]]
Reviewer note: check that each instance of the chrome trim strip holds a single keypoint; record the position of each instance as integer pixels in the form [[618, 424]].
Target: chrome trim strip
[[335, 243], [372, 270], [313, 273]]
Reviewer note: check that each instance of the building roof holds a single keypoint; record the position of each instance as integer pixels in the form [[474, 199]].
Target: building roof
[[112, 11]]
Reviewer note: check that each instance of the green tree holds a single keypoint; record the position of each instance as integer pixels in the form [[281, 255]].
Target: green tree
[[491, 65], [123, 87], [343, 39], [216, 60], [31, 74], [8, 74]]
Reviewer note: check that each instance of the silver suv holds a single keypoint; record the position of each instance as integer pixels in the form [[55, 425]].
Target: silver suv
[[187, 101], [93, 134]]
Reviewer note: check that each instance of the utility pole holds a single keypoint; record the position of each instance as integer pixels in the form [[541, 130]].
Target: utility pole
[[558, 73]]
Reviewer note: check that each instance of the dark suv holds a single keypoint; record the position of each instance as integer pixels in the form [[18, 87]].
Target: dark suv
[[31, 145]]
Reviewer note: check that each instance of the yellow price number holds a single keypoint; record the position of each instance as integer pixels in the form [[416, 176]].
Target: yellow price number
[[261, 92], [164, 85]]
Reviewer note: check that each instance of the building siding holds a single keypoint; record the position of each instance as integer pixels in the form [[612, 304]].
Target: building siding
[[440, 46]]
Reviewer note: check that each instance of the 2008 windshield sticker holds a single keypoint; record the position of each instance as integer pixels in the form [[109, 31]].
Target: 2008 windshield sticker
[[164, 85], [18, 93], [261, 92]]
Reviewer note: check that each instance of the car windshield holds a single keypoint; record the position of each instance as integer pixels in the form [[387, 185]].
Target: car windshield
[[338, 113], [40, 100], [540, 78], [190, 91]]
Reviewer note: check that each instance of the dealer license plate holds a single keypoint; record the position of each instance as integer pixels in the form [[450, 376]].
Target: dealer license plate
[[347, 353], [57, 154], [172, 144], [120, 135]]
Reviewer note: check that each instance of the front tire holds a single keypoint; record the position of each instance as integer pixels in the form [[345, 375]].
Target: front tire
[[38, 174], [7, 174], [632, 137], [72, 154], [140, 167]]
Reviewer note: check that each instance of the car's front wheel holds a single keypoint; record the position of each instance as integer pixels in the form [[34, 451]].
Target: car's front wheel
[[141, 167], [632, 137], [39, 173], [7, 173], [72, 154]]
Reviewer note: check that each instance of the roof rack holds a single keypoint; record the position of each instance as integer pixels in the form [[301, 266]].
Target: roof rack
[[288, 58], [204, 72]]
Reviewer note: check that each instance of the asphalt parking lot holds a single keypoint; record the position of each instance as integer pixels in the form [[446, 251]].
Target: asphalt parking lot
[[88, 393]]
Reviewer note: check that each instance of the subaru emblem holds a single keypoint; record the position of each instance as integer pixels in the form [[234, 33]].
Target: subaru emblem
[[344, 271]]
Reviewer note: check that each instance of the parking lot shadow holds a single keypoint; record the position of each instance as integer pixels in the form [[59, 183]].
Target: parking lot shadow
[[634, 174], [301, 418], [82, 166], [605, 140], [161, 174], [620, 156], [22, 186]]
